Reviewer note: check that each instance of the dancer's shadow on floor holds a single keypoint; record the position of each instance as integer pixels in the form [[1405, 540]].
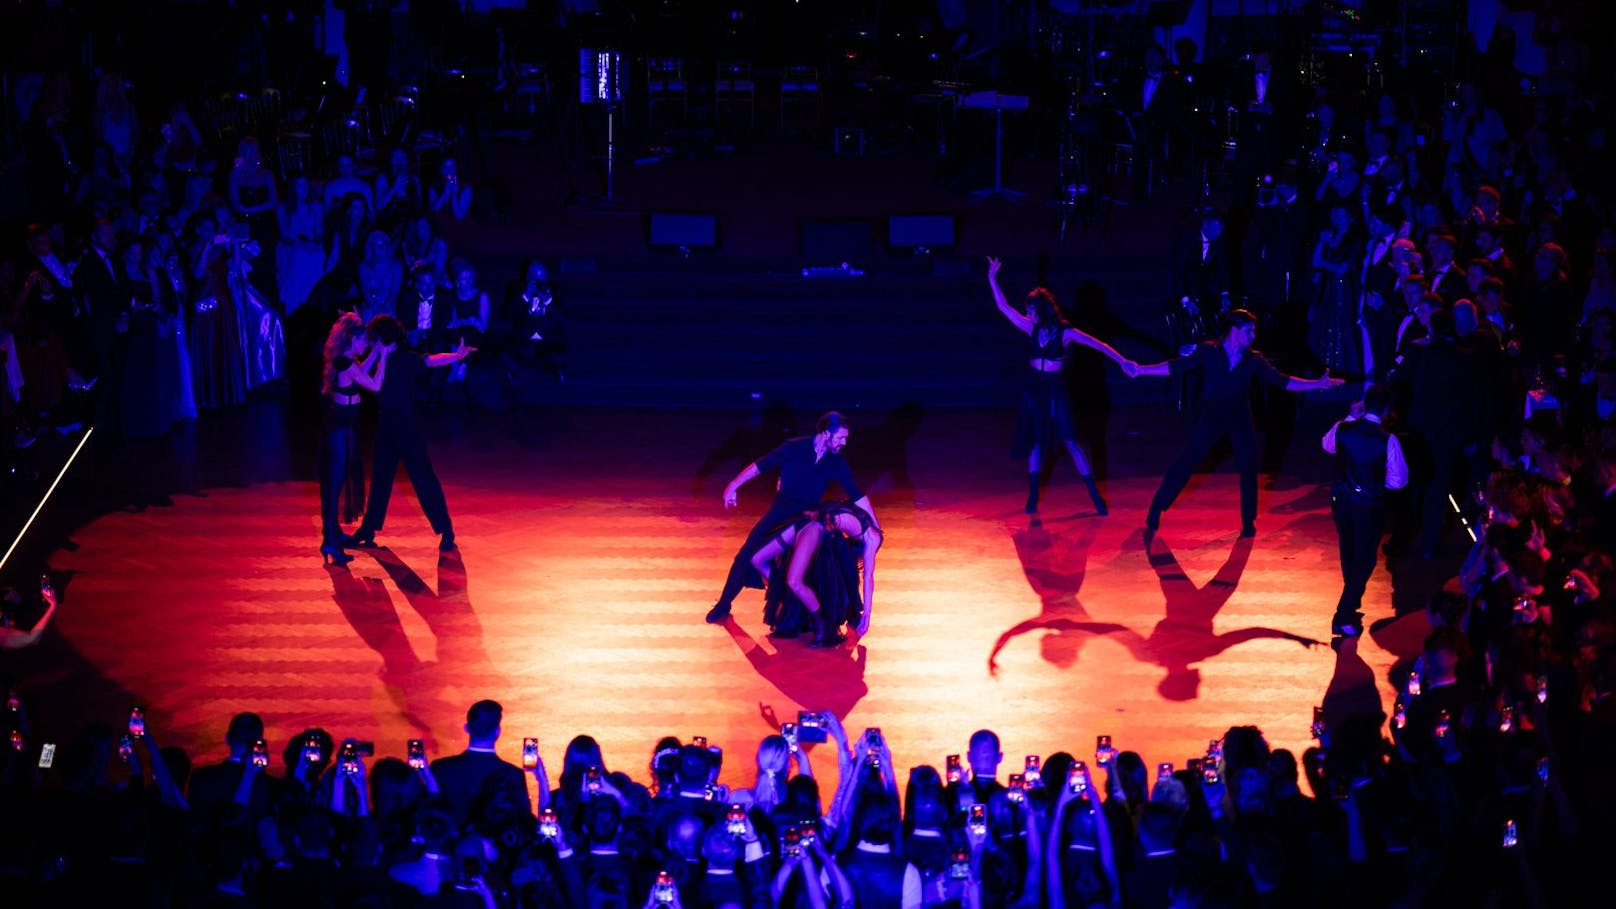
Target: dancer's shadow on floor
[[880, 459], [1054, 565], [1184, 636], [418, 686], [830, 679], [776, 422]]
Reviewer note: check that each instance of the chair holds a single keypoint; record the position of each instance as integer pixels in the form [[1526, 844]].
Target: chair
[[799, 87], [396, 117], [734, 88], [665, 86], [294, 153]]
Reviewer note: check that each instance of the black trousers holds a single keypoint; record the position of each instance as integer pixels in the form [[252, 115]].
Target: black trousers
[[1358, 527], [741, 572], [399, 438], [1447, 466], [1212, 426]]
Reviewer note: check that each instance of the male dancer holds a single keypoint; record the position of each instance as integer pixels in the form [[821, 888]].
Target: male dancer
[[1227, 364], [1368, 462], [399, 438], [807, 465]]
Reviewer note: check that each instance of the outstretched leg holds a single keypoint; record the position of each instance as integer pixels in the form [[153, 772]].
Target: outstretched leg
[[1080, 460], [1034, 475]]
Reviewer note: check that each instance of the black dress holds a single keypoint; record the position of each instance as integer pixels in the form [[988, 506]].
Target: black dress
[[833, 575]]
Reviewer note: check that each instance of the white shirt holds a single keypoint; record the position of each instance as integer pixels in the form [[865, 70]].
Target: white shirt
[[913, 897], [1396, 465], [1262, 88], [423, 314]]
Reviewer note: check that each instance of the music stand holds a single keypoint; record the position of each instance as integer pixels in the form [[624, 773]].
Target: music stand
[[998, 103], [600, 81]]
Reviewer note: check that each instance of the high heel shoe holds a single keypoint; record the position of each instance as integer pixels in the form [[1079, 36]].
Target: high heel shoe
[[360, 538], [332, 554], [824, 635], [1094, 495]]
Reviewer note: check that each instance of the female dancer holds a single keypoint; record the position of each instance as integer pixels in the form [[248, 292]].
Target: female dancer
[[351, 363], [1046, 409], [822, 572]]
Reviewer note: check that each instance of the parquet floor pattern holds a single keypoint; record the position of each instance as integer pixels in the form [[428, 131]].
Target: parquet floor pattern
[[586, 564]]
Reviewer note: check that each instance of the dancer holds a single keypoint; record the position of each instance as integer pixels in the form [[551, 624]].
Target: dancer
[[1368, 462], [807, 466], [399, 438], [352, 362], [822, 572], [1046, 409], [1227, 365]]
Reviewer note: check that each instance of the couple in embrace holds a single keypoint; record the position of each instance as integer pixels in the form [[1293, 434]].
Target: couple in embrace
[[808, 551], [372, 357]]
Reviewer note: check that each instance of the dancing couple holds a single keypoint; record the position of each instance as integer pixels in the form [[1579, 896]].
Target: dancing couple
[[373, 358], [816, 545], [1228, 365]]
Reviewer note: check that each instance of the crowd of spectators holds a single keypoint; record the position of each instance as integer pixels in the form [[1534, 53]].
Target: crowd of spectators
[[1487, 781], [177, 253]]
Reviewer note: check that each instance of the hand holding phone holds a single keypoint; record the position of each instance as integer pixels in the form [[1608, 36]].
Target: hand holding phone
[[260, 754], [137, 722], [1104, 754], [530, 753], [976, 821], [549, 824], [735, 820], [417, 754], [956, 774]]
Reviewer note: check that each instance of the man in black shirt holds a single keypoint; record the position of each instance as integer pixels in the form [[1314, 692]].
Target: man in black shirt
[[1227, 367], [807, 465], [399, 437]]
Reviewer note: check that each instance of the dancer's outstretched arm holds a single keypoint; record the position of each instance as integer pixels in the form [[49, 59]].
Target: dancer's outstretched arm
[[448, 359], [1018, 319], [1078, 336]]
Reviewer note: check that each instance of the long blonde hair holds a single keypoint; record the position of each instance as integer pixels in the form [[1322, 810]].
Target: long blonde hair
[[773, 764], [347, 327]]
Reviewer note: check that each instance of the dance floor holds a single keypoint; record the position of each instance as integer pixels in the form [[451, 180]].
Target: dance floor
[[587, 561]]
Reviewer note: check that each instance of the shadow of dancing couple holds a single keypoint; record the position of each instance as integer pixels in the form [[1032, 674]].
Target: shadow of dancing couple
[[419, 687], [1055, 565]]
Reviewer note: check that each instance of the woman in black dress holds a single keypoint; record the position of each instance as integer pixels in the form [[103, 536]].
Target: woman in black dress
[[351, 363], [1045, 419], [820, 554]]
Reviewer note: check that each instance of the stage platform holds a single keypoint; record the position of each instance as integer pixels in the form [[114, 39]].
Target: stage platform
[[593, 541]]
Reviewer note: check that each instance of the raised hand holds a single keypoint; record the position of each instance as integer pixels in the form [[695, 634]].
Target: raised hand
[[993, 267]]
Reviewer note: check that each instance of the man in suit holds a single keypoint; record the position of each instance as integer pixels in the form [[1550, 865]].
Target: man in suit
[[1443, 274], [1273, 260], [1382, 307], [1368, 463], [1152, 101], [103, 303], [214, 786], [1200, 274], [475, 779], [1265, 98], [1441, 380]]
